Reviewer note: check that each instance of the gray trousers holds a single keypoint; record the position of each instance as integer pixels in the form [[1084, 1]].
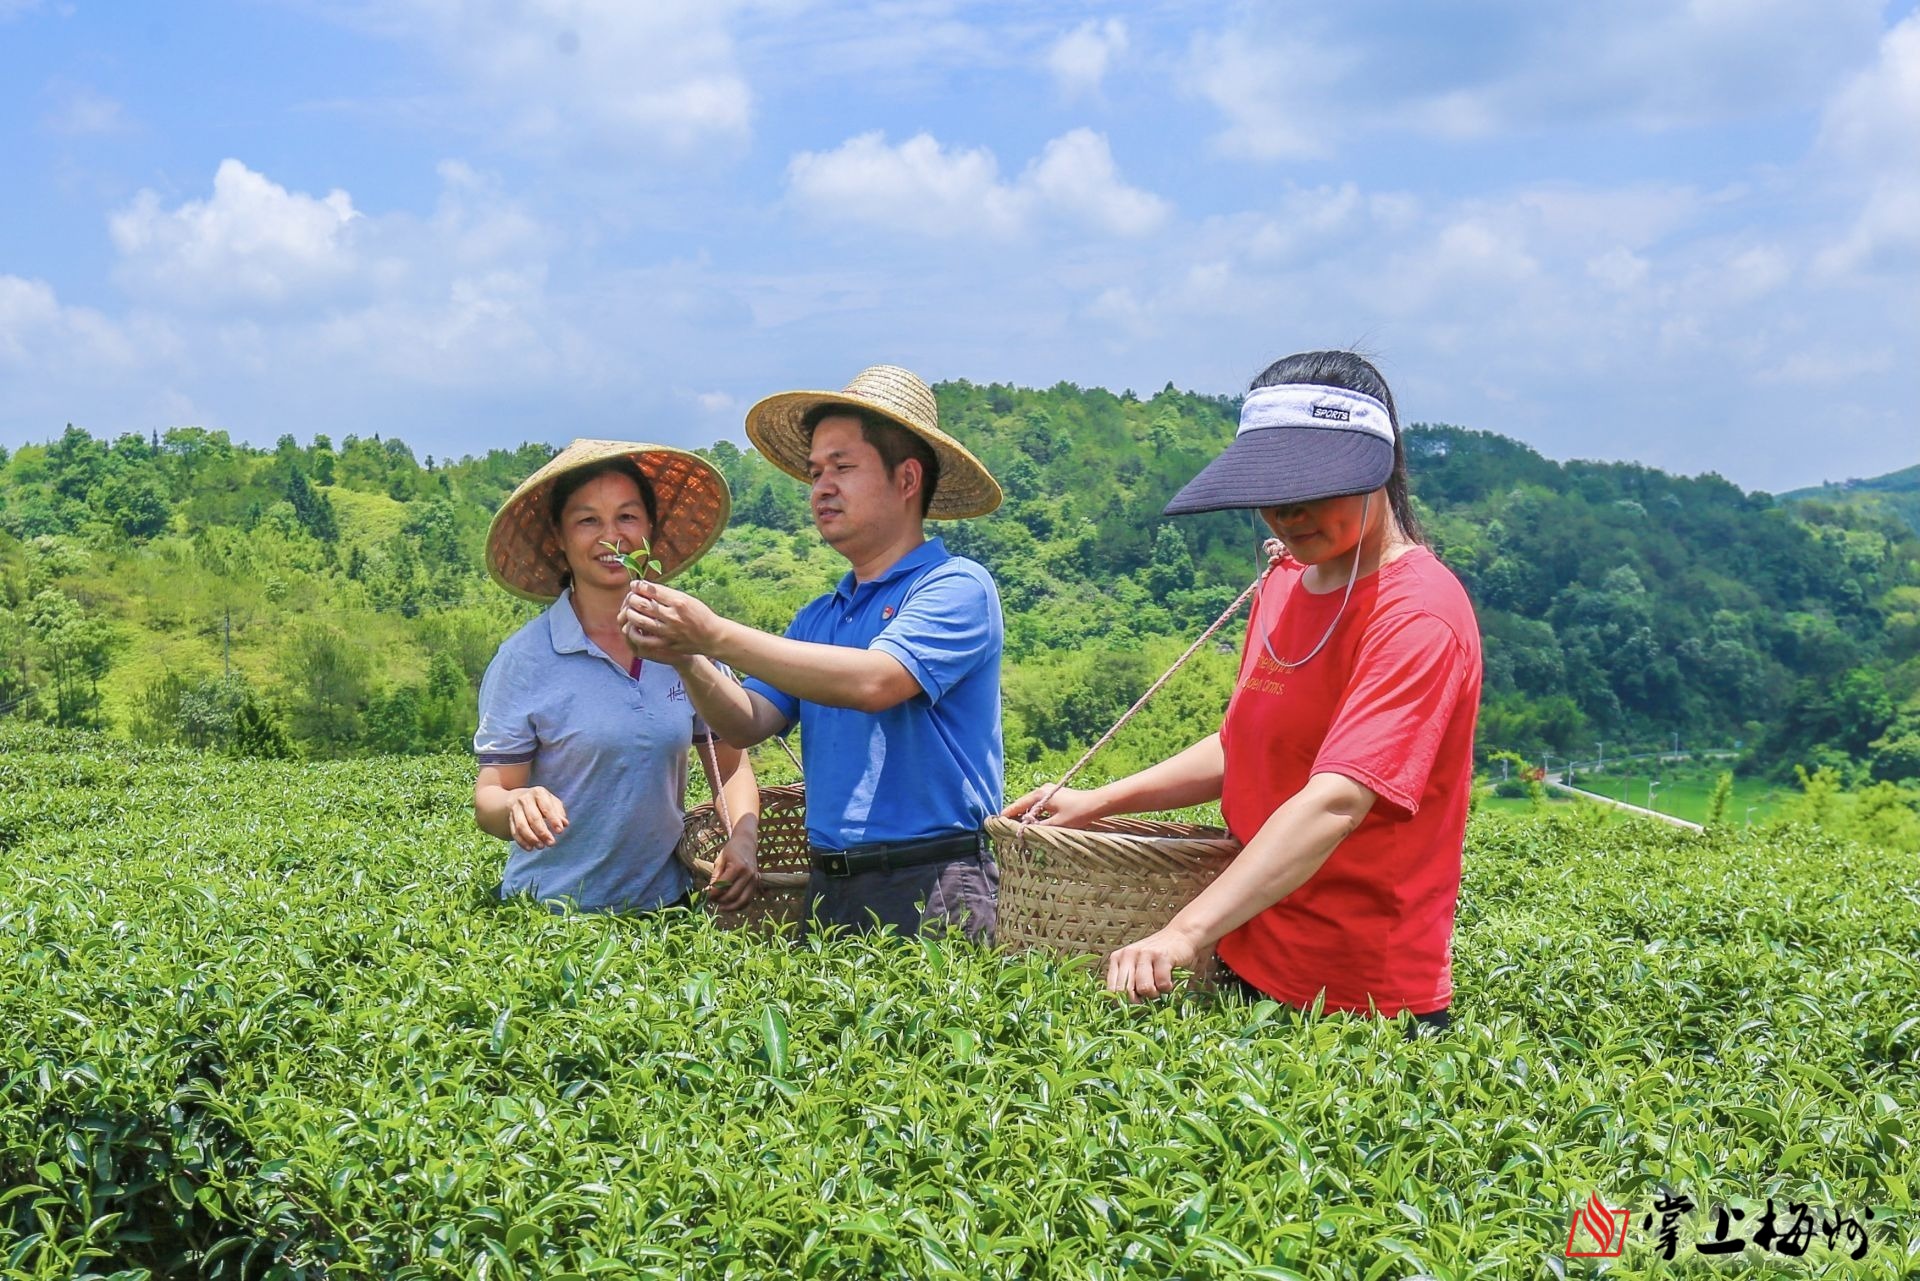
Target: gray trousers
[[959, 894]]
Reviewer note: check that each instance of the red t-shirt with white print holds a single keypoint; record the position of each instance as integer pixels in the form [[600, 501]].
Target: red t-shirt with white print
[[1390, 703]]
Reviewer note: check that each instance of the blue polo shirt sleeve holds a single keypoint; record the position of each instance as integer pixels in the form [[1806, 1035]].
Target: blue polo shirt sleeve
[[506, 735], [786, 704], [948, 625]]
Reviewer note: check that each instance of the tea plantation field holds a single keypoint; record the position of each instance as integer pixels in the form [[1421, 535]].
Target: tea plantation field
[[263, 1020]]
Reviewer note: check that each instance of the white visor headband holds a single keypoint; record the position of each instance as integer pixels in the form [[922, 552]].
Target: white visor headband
[[1310, 405]]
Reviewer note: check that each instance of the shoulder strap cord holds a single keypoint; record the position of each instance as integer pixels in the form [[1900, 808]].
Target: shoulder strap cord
[[1152, 689], [711, 759]]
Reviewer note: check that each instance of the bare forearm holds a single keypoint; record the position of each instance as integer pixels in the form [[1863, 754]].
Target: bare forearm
[[1289, 848], [742, 792], [1190, 778], [491, 803], [830, 675], [722, 703]]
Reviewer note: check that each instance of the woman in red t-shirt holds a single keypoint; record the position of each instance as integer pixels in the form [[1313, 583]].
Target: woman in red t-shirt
[[1346, 757]]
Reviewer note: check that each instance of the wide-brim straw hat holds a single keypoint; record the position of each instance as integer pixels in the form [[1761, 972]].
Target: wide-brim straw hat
[[524, 554], [965, 487]]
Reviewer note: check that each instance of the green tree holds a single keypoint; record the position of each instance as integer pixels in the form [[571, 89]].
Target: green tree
[[75, 650], [326, 680], [1171, 567], [257, 732], [313, 509], [136, 502]]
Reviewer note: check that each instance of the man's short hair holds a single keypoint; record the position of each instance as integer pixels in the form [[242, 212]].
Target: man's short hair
[[895, 443]]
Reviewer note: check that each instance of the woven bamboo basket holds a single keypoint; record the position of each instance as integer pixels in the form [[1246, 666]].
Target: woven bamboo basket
[[785, 859], [1087, 891]]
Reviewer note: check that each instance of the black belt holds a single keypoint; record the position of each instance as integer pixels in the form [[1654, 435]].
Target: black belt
[[881, 858]]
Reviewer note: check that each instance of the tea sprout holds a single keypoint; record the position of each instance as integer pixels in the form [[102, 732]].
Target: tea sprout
[[639, 562]]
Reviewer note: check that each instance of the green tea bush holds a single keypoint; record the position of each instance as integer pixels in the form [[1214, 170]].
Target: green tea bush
[[264, 1019]]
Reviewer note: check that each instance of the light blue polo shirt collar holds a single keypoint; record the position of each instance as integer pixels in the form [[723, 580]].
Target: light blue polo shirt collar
[[563, 625], [931, 552]]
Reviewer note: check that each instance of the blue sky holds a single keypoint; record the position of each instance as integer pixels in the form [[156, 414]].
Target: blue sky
[[1686, 234]]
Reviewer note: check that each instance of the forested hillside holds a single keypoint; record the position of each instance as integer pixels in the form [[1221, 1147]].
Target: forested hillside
[[326, 598]]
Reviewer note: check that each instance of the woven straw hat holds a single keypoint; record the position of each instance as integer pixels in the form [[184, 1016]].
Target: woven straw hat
[[964, 489], [524, 554]]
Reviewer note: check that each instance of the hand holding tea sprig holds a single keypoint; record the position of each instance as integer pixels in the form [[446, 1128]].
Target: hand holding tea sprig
[[668, 626]]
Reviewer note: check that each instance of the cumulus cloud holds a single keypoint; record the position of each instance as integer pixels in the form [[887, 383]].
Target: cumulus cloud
[[1080, 59], [1075, 175], [563, 72], [1870, 134], [1274, 92], [252, 240], [1289, 86], [921, 188], [1874, 119]]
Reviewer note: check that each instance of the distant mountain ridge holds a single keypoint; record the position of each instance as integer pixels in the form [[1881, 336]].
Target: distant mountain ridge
[[1897, 494], [154, 584]]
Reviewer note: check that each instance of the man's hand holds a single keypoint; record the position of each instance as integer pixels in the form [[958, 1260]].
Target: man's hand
[[736, 873], [1144, 970], [666, 625]]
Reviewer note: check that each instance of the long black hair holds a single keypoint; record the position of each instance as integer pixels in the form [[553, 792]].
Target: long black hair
[[1353, 372]]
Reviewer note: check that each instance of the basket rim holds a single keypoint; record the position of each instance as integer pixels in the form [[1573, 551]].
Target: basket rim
[[1121, 829]]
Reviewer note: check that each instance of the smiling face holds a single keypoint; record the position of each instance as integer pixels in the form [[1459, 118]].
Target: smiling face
[[1323, 530], [607, 509], [857, 506]]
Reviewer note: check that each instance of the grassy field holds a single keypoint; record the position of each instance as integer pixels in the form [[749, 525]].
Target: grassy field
[[264, 1020], [1687, 794]]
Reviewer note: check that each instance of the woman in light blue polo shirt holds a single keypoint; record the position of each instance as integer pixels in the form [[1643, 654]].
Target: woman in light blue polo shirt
[[582, 748]]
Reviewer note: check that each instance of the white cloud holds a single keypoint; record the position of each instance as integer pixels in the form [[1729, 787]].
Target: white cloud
[[36, 327], [1273, 92], [1870, 135], [1619, 269], [566, 72], [1081, 59], [1755, 272], [82, 112], [918, 187], [1075, 175], [1289, 86], [922, 188], [1884, 236], [1874, 119], [1825, 365], [251, 241]]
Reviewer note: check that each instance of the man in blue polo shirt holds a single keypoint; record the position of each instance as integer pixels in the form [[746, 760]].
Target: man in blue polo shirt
[[893, 677]]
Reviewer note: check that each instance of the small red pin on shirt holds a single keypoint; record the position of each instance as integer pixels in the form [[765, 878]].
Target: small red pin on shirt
[[887, 612]]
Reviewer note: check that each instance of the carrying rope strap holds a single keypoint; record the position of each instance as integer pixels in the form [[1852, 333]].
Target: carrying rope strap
[[1034, 810], [711, 760]]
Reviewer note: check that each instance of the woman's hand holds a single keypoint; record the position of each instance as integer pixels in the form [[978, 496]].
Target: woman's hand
[[1065, 806], [536, 817], [736, 873], [1144, 970]]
